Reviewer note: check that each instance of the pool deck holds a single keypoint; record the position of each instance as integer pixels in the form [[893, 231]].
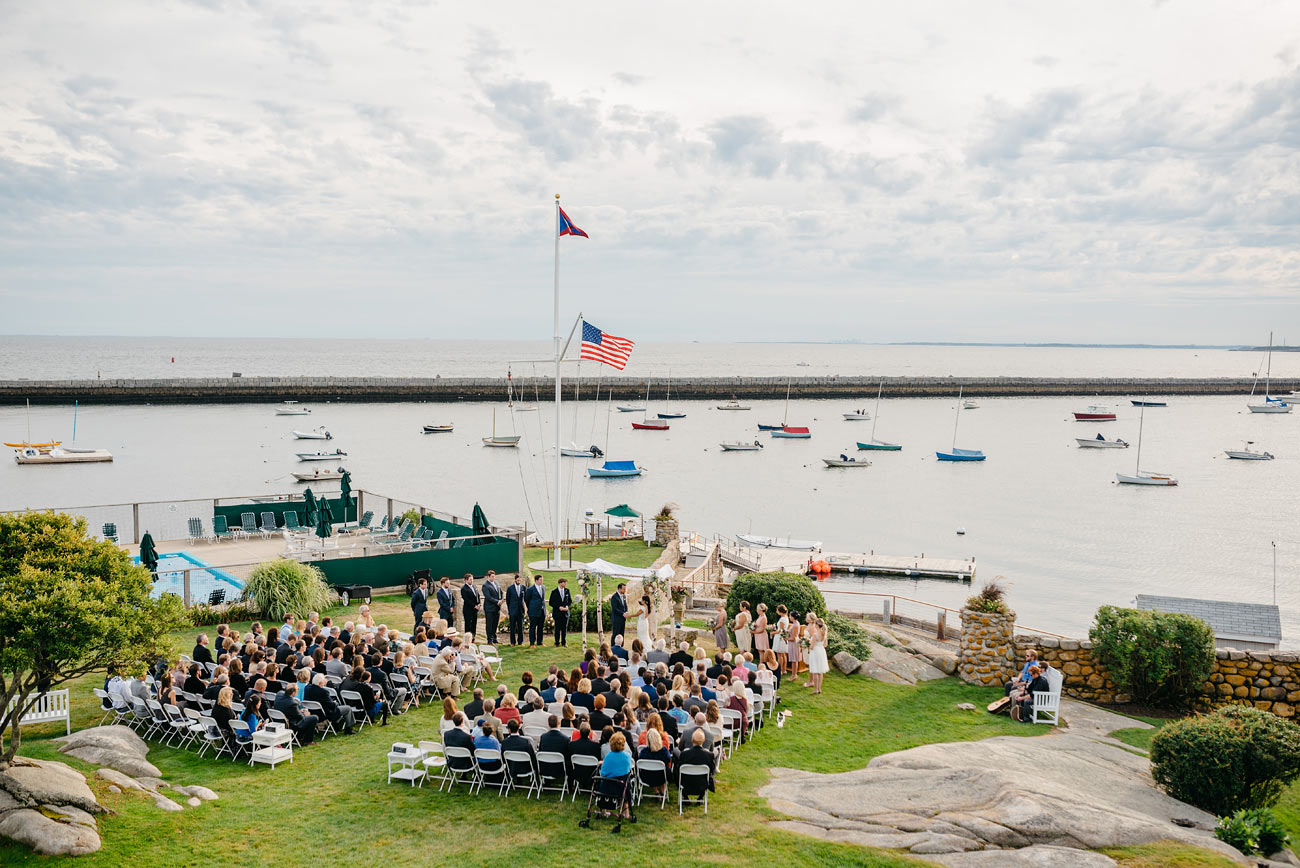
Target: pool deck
[[250, 550]]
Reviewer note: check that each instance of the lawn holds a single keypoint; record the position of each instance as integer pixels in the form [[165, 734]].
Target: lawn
[[332, 803]]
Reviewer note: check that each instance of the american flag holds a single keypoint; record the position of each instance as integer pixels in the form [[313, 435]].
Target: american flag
[[605, 348]]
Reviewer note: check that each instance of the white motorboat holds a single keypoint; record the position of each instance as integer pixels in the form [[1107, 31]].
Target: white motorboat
[[292, 408], [1140, 476], [741, 446], [503, 440], [772, 542], [629, 408], [319, 434], [321, 475], [1100, 442], [1248, 454], [845, 461], [321, 456], [733, 404], [438, 429], [61, 455], [572, 451], [857, 416], [1271, 404]]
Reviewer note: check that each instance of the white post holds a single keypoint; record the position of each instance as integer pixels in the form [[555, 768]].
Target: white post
[[556, 510]]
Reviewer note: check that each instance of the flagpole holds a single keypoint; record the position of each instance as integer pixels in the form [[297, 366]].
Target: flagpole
[[556, 510]]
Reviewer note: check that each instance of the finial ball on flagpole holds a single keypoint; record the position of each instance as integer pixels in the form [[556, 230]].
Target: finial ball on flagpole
[[557, 195]]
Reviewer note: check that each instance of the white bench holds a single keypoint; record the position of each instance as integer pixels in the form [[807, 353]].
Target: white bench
[[1047, 706], [47, 707]]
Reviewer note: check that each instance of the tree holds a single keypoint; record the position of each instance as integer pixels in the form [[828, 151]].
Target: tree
[[69, 605]]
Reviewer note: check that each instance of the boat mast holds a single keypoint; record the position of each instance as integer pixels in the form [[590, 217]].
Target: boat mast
[[785, 416], [957, 420], [1137, 470], [556, 511], [645, 411], [876, 415], [1268, 372]]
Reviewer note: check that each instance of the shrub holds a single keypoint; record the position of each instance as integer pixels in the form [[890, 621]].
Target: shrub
[[203, 615], [845, 634], [281, 586], [990, 599], [1252, 831], [666, 512], [607, 613], [795, 591], [1158, 658], [413, 516], [1238, 757]]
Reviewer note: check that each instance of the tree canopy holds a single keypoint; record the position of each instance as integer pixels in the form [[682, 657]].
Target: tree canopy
[[70, 605]]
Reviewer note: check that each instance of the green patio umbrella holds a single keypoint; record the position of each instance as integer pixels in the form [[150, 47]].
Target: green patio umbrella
[[480, 524], [345, 489], [149, 553], [309, 500], [622, 511], [324, 521]]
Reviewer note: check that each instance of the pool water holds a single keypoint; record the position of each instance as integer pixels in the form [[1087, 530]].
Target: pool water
[[204, 579]]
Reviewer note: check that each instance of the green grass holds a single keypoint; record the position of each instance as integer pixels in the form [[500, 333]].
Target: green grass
[[1140, 737], [333, 801], [1168, 854]]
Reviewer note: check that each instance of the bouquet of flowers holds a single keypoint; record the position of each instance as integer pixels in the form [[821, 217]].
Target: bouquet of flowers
[[805, 643], [679, 593]]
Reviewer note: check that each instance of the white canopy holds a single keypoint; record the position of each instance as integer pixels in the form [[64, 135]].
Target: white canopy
[[605, 568]]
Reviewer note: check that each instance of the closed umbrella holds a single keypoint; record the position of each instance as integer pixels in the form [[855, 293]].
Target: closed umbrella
[[324, 521], [149, 553], [480, 524], [345, 488], [309, 500]]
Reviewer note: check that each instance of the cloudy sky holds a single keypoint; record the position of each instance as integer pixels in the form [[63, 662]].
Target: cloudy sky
[[1111, 171]]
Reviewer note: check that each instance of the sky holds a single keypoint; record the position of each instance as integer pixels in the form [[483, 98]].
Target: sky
[[1018, 171]]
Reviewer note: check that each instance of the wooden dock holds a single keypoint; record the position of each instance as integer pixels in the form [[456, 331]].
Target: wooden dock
[[854, 563]]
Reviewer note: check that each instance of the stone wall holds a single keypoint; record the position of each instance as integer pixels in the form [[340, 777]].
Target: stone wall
[[1268, 680], [987, 649]]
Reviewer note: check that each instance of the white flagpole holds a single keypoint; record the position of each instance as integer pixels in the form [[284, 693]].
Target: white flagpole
[[556, 510]]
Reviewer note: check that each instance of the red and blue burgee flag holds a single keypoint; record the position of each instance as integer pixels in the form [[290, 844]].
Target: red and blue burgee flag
[[603, 347], [567, 227]]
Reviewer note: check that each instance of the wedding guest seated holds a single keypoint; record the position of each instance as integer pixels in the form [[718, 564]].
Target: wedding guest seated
[[474, 708], [658, 654], [561, 698], [698, 754], [341, 716], [654, 749], [508, 710], [617, 765], [253, 715], [1031, 659], [682, 655], [617, 648], [286, 702], [489, 717], [486, 740], [458, 735], [584, 732], [553, 739], [516, 740], [223, 713], [582, 697], [526, 684], [194, 682], [698, 725], [598, 718], [537, 715]]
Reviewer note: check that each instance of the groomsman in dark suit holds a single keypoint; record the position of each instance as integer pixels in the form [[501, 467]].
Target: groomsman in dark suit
[[446, 601], [491, 606], [535, 601], [420, 601], [470, 600], [618, 612], [515, 609], [561, 601]]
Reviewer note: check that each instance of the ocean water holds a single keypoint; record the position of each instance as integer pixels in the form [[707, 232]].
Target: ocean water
[[1040, 512]]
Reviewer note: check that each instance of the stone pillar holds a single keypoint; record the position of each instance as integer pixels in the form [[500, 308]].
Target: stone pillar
[[987, 647], [665, 531]]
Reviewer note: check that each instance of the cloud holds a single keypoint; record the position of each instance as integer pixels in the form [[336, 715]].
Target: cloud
[[871, 107], [628, 78], [560, 129], [1011, 130]]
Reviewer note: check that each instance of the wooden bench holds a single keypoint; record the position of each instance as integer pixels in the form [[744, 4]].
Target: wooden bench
[[47, 707]]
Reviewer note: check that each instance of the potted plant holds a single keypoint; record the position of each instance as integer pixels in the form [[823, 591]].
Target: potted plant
[[679, 594], [666, 529]]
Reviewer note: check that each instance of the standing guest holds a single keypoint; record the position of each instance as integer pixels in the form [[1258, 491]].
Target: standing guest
[[470, 602], [515, 607], [201, 653], [780, 638], [741, 625], [491, 606], [420, 601], [446, 601], [561, 601], [618, 612], [720, 627], [535, 602], [760, 631]]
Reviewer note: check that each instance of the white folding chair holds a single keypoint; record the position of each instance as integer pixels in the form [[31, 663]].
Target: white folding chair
[[582, 781], [358, 706], [692, 771], [434, 762], [460, 768], [488, 776], [520, 772], [551, 770], [652, 766]]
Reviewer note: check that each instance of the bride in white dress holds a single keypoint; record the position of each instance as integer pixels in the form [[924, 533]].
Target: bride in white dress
[[643, 622]]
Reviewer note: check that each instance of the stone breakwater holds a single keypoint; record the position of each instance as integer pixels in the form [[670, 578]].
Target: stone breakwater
[[452, 389]]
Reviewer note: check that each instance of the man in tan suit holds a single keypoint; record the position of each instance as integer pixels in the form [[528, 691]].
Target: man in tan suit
[[446, 676]]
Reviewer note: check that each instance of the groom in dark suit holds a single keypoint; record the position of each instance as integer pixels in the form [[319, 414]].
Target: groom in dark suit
[[515, 609], [561, 601], [420, 601], [618, 612], [491, 606]]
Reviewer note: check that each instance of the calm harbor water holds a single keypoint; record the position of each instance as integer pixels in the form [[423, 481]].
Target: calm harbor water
[[1040, 512]]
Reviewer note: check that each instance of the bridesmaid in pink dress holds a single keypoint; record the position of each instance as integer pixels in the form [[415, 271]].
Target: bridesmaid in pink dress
[[760, 629], [792, 653]]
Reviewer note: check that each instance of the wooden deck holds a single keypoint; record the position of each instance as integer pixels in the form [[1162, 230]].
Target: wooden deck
[[854, 563]]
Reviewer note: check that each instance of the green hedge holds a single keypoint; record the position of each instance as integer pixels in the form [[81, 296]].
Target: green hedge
[[797, 592], [1238, 757], [1158, 658], [845, 634]]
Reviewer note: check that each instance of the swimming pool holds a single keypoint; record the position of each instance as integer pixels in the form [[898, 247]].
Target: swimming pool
[[204, 579]]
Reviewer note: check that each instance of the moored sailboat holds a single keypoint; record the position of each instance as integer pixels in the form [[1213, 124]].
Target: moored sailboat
[[959, 454], [1140, 476], [873, 443]]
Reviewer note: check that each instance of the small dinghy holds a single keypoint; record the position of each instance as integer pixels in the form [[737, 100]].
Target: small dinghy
[[592, 451], [439, 429], [1100, 442], [1140, 403], [880, 446], [1140, 476], [961, 455], [321, 456], [319, 434], [857, 416], [1248, 454], [651, 425], [741, 446], [629, 408], [792, 433], [322, 475], [970, 405], [733, 404], [613, 469], [292, 408], [1094, 414], [845, 461]]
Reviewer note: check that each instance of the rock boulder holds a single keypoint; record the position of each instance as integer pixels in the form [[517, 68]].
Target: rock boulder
[[114, 746], [846, 662]]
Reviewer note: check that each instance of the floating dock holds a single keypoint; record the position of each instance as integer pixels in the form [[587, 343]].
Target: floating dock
[[859, 564]]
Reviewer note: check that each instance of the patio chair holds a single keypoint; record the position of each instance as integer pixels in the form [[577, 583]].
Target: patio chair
[[268, 527], [243, 740], [217, 597], [435, 764], [248, 524], [197, 533], [366, 517], [219, 529], [358, 706], [291, 523], [110, 531], [1047, 705]]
